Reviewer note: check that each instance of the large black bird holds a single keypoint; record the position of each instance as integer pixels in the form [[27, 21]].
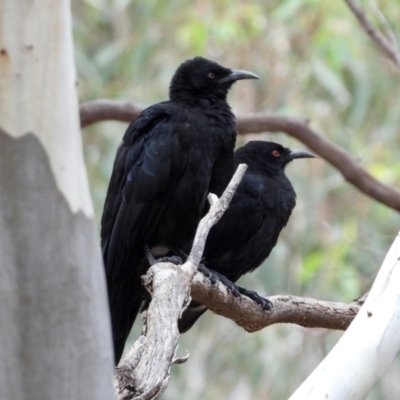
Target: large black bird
[[249, 229], [171, 157]]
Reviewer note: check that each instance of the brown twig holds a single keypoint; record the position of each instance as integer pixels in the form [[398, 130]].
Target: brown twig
[[353, 172], [388, 47], [105, 110]]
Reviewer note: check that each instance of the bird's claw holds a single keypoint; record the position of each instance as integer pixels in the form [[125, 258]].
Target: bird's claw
[[262, 301], [215, 277], [236, 290]]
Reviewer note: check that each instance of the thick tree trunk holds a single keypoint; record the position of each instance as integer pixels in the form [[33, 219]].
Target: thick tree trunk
[[54, 328], [369, 345]]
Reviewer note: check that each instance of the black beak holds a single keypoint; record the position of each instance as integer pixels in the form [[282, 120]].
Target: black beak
[[299, 154], [237, 74]]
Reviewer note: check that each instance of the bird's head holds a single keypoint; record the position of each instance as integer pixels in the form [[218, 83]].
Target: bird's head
[[203, 78], [268, 156]]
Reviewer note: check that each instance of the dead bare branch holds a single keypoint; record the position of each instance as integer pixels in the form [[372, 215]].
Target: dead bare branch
[[352, 171], [144, 372], [387, 46], [217, 209]]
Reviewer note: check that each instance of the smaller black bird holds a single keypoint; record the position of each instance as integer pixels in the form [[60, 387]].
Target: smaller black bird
[[248, 231]]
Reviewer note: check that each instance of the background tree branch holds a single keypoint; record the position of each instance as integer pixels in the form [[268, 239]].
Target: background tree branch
[[101, 110], [387, 45]]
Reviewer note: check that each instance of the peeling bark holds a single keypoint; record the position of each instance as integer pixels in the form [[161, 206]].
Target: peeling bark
[[54, 325]]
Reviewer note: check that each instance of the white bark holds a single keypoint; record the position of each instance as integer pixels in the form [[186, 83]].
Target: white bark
[[38, 88], [54, 325], [369, 345]]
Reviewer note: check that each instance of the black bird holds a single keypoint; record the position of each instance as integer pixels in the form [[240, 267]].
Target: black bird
[[249, 229], [171, 157]]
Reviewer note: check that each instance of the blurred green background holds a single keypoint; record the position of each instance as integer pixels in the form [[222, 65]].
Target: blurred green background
[[314, 61]]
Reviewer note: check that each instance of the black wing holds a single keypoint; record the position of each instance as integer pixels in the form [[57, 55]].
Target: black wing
[[148, 164], [146, 171]]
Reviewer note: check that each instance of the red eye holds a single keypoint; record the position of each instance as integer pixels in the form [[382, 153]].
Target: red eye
[[211, 75], [276, 153]]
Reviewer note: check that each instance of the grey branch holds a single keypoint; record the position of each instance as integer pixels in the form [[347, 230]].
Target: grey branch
[[217, 209], [388, 46], [144, 372], [299, 128]]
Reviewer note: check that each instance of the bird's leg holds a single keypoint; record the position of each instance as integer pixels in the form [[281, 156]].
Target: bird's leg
[[262, 301], [149, 255], [152, 260]]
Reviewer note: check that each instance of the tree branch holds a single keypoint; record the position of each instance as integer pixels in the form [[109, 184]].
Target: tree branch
[[352, 171], [104, 110], [387, 46], [144, 372], [250, 316], [350, 168], [217, 209]]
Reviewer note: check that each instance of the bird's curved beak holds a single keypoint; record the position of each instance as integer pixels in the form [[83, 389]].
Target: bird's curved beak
[[237, 74], [294, 154]]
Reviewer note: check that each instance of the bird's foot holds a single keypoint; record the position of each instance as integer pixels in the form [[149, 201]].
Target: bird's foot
[[152, 260], [262, 301], [215, 277], [236, 290]]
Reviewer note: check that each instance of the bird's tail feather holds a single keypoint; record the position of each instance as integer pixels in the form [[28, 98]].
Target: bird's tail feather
[[125, 301]]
